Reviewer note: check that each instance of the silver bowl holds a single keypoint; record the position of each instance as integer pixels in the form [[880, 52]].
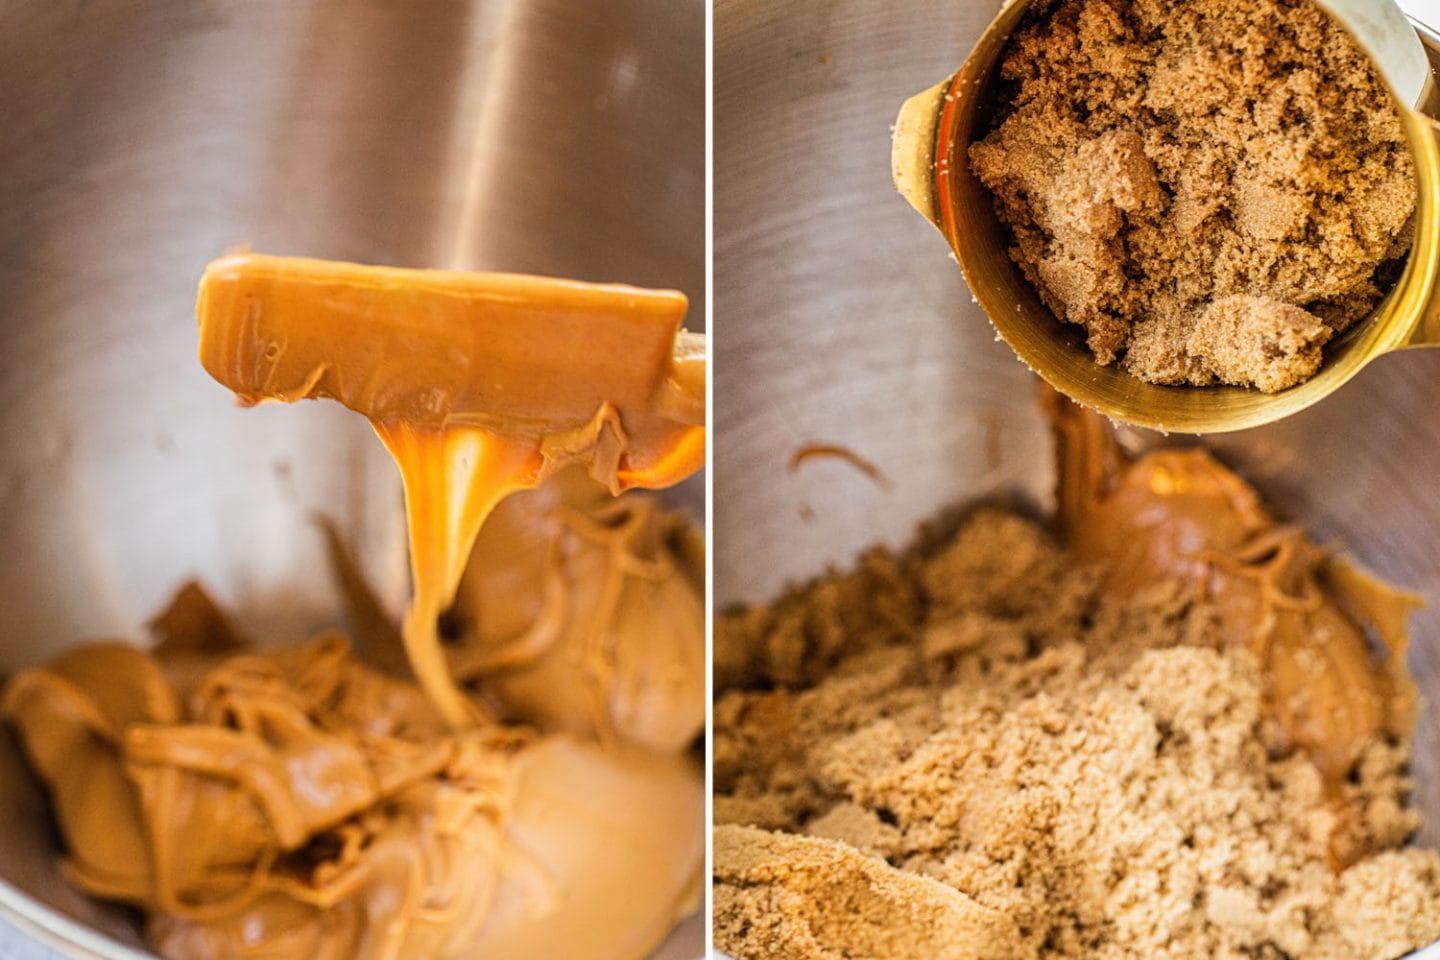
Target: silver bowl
[[141, 140], [841, 319]]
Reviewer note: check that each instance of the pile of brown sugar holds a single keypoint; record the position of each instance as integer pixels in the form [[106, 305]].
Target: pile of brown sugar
[[1213, 189], [996, 746]]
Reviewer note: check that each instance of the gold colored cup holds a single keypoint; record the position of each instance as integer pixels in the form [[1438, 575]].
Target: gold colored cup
[[931, 170]]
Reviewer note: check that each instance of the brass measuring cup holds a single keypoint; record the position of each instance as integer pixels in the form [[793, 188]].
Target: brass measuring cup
[[932, 172]]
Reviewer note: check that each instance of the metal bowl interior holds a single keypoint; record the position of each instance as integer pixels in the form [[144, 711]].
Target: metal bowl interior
[[526, 135], [843, 320]]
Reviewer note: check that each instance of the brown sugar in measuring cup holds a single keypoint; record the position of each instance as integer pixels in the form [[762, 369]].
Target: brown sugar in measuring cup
[[936, 128]]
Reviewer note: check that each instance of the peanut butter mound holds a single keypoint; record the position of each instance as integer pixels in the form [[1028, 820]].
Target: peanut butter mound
[[257, 802], [1212, 189], [1177, 734]]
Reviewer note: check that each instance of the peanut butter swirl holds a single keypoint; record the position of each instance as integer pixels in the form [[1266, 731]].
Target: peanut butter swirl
[[585, 613], [1179, 729], [1305, 613], [296, 802], [479, 384], [306, 802]]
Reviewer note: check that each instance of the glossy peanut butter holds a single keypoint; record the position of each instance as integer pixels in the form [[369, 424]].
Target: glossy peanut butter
[[312, 801], [478, 384], [585, 613], [1307, 616], [298, 803]]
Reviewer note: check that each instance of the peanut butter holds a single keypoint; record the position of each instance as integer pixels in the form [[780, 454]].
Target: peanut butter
[[1157, 729], [585, 613], [304, 801], [295, 802], [478, 384], [1180, 515]]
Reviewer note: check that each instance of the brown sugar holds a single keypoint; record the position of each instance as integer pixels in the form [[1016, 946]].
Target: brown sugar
[[806, 897], [1177, 734], [1077, 767], [1212, 189]]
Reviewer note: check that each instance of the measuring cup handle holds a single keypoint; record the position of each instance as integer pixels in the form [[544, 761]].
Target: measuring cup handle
[[1425, 251], [912, 150]]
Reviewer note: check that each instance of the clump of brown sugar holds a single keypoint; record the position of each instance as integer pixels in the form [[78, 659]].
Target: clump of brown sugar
[[1212, 189], [1011, 761]]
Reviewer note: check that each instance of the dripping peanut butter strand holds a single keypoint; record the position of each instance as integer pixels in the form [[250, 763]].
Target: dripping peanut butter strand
[[453, 478], [478, 384]]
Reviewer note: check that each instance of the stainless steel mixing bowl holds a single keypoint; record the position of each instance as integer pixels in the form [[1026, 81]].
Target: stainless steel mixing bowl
[[840, 320], [141, 140]]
